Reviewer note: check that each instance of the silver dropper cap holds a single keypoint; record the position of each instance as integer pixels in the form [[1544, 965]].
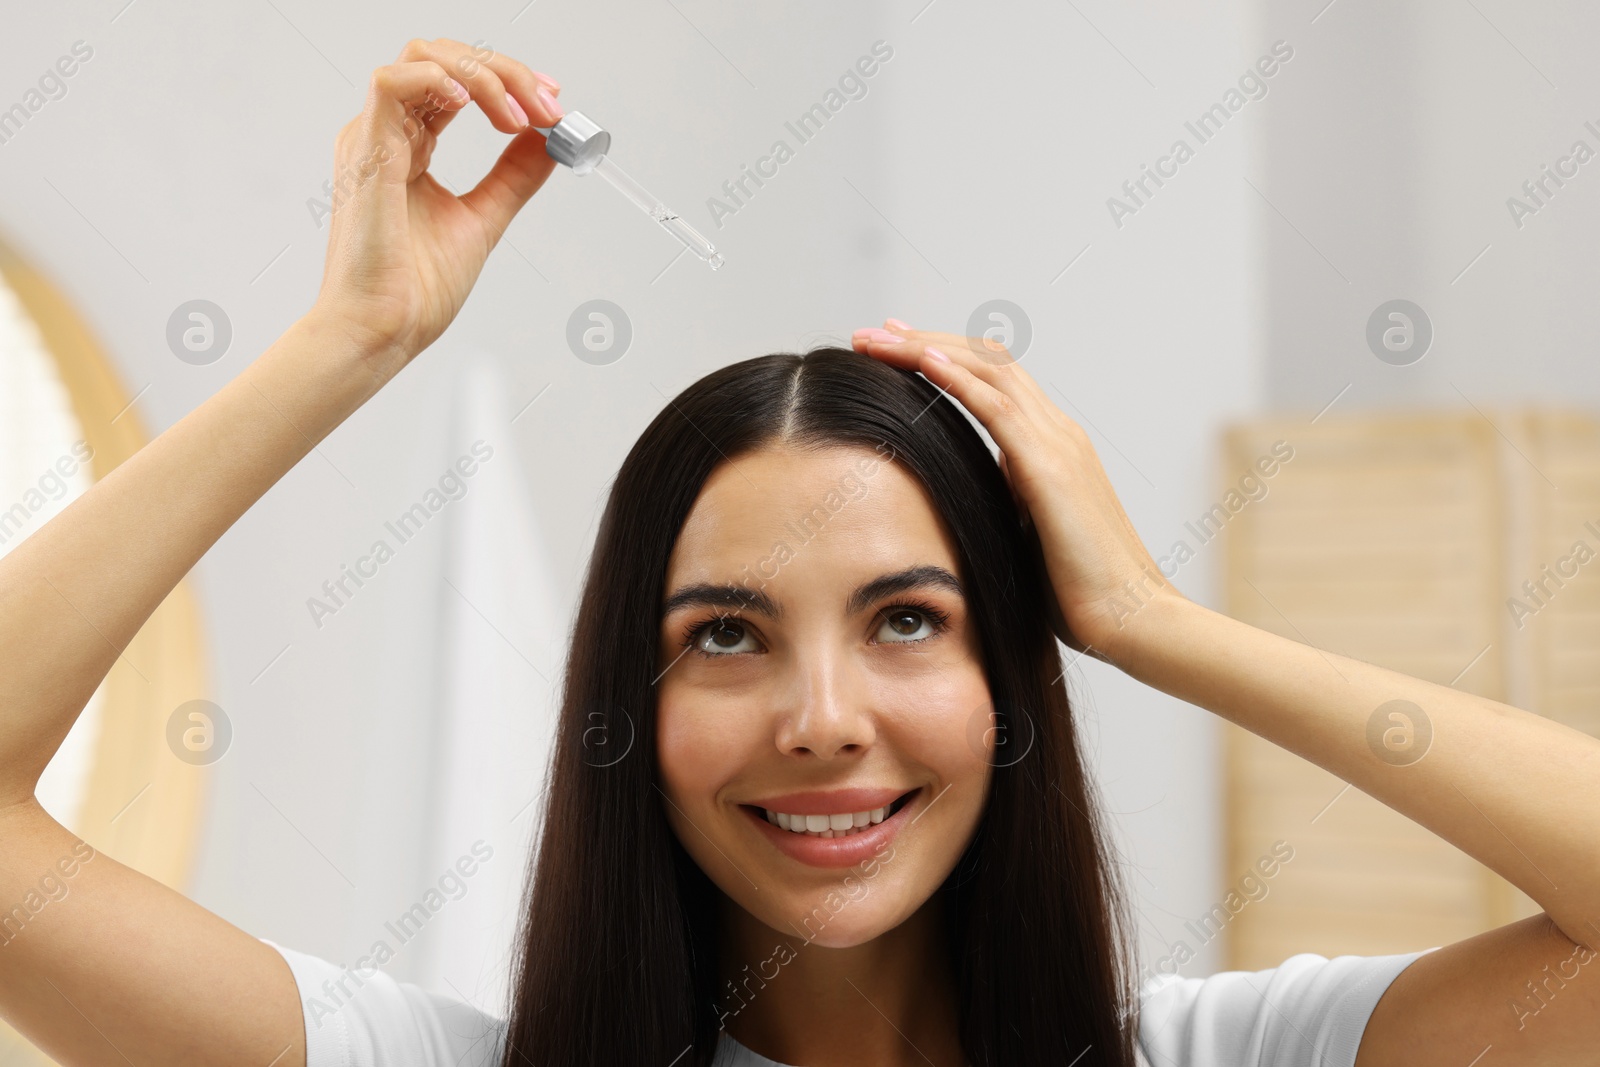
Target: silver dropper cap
[[577, 140]]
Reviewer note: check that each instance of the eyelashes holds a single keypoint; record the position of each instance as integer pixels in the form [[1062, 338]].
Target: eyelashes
[[937, 618]]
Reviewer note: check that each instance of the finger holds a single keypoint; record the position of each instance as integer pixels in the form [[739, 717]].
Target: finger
[[419, 121], [434, 120], [1006, 420], [519, 172], [993, 354], [530, 89], [531, 93], [480, 52], [905, 348], [989, 352], [391, 132], [482, 83]]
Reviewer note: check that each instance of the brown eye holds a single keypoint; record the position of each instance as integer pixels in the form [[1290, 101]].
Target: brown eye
[[721, 637], [905, 622], [725, 634], [903, 626]]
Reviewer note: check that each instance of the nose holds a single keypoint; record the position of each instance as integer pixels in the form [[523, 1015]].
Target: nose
[[826, 712]]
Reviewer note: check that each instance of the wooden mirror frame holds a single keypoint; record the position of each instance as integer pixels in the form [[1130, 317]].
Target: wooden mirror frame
[[142, 804]]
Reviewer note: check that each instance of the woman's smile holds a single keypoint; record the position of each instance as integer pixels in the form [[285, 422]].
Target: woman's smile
[[815, 828]]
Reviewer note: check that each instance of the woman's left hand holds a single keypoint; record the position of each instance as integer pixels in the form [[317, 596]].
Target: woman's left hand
[[1098, 567]]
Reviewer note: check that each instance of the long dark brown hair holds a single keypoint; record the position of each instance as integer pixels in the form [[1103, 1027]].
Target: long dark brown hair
[[618, 957]]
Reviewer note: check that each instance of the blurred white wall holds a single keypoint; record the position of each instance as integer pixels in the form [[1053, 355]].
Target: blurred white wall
[[977, 166], [1392, 156]]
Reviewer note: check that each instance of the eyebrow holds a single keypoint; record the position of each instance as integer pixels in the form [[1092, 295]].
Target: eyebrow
[[729, 595]]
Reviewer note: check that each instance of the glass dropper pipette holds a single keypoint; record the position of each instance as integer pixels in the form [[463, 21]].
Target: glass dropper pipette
[[581, 144], [607, 168], [661, 213]]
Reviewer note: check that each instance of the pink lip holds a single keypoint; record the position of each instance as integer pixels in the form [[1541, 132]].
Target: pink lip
[[835, 851], [834, 802]]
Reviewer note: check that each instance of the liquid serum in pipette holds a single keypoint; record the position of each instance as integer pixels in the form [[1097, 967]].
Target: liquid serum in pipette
[[607, 168], [582, 145]]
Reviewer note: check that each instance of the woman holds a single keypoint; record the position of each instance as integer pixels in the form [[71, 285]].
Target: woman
[[855, 827]]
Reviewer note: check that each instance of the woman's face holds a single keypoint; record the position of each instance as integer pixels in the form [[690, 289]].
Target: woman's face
[[818, 667]]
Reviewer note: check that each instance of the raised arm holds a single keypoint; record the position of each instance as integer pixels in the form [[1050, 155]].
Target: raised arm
[[1518, 792], [123, 969]]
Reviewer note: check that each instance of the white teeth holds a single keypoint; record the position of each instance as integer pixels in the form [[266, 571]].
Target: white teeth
[[843, 824]]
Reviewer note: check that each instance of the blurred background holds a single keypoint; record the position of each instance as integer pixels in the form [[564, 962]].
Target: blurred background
[[1316, 276]]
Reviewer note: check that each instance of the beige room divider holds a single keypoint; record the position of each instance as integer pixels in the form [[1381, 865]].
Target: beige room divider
[[1404, 540]]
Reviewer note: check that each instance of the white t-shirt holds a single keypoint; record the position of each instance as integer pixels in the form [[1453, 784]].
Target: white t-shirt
[[1308, 1011]]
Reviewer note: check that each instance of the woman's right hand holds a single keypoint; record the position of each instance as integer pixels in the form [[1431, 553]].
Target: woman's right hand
[[404, 251]]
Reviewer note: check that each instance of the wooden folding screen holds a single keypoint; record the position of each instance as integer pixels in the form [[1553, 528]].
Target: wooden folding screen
[[1404, 540]]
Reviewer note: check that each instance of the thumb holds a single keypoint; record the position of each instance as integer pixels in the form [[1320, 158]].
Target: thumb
[[519, 172]]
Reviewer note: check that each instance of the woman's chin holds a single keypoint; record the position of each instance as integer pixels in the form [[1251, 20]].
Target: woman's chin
[[837, 920], [842, 932]]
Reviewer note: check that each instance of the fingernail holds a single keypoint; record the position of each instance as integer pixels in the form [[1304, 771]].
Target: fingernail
[[517, 113], [549, 103], [875, 334], [457, 90], [935, 354], [554, 85], [897, 324]]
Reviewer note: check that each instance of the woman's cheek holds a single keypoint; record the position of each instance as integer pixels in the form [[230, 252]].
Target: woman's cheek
[[943, 721], [699, 746], [948, 730]]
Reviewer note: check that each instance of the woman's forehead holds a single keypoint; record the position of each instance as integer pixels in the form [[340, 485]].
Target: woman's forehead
[[814, 512]]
